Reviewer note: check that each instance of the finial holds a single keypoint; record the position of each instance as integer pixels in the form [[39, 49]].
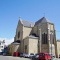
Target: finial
[[19, 18], [44, 14]]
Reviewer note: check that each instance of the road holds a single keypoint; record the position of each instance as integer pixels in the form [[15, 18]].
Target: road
[[56, 59], [12, 58], [17, 58]]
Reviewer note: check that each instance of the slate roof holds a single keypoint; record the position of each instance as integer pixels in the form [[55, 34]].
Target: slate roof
[[43, 20], [31, 36], [30, 24], [27, 23], [16, 42]]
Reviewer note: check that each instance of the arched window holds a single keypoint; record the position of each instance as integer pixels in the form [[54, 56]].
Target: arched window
[[44, 39], [18, 34], [51, 39]]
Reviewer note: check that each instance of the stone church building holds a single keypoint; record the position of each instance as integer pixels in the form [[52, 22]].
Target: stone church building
[[35, 38]]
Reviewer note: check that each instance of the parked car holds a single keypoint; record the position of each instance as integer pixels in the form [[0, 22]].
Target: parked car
[[44, 56], [26, 55], [59, 56], [1, 53], [16, 54], [22, 54], [35, 57], [4, 54], [31, 55], [52, 55]]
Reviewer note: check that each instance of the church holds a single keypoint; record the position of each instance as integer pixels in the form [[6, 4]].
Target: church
[[35, 37]]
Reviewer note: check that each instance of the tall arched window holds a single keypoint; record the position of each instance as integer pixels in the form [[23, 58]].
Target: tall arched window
[[44, 39], [18, 34], [52, 38]]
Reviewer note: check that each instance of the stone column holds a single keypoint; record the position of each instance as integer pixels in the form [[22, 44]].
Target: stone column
[[55, 43], [49, 40]]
